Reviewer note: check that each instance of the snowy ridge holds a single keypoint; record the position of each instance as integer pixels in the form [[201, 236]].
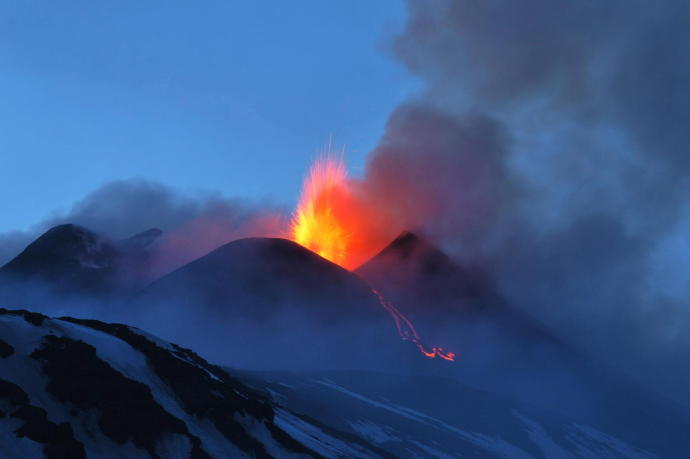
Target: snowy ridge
[[431, 417], [107, 390]]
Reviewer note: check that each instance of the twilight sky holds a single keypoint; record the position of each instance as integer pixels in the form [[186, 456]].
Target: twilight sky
[[235, 97]]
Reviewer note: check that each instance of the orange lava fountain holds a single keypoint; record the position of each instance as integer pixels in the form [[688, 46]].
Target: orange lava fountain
[[331, 221], [319, 223]]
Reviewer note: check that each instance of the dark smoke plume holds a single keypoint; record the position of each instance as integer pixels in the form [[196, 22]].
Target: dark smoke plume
[[553, 141]]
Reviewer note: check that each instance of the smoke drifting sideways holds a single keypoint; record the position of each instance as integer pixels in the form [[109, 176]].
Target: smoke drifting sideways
[[550, 145], [192, 225]]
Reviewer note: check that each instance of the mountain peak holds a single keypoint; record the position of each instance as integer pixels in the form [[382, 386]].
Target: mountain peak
[[409, 255], [69, 257], [64, 246], [271, 293], [406, 241]]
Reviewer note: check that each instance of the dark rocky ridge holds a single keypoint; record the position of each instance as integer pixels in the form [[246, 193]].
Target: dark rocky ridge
[[219, 401], [103, 390], [6, 349], [127, 409], [58, 439]]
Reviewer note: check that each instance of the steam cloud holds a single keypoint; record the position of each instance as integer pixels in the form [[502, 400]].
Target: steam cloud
[[553, 141]]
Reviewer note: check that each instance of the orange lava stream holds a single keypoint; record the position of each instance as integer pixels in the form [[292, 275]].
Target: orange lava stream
[[407, 331]]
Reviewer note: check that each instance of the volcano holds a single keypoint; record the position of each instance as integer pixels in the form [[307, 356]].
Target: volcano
[[67, 258], [497, 342], [71, 259], [255, 277], [435, 292], [272, 294], [410, 267]]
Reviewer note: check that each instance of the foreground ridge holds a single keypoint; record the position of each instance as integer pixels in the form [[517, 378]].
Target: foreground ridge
[[84, 388]]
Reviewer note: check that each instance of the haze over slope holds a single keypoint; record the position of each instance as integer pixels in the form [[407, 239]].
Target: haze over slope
[[288, 305]]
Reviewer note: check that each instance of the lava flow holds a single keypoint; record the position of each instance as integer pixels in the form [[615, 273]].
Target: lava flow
[[407, 331], [331, 221]]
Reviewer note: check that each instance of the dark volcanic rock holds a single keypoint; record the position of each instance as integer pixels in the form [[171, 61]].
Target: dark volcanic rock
[[34, 318], [127, 409], [6, 349], [58, 439], [13, 393], [184, 371]]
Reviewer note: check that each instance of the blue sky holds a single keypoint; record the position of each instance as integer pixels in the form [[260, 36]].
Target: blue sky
[[235, 97]]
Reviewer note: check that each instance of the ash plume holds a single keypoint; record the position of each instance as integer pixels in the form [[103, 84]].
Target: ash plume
[[552, 141]]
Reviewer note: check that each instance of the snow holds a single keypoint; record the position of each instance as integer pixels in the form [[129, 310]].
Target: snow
[[492, 444], [316, 439], [133, 365], [530, 435], [11, 446], [431, 451], [541, 438], [591, 443], [27, 373], [374, 432]]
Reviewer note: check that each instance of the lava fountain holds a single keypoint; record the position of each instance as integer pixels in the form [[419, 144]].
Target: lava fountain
[[334, 222], [321, 220]]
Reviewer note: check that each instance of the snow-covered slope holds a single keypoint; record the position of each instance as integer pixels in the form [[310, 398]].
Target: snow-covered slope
[[435, 417], [73, 388]]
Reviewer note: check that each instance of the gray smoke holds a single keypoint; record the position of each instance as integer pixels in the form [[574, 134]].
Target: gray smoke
[[552, 140], [192, 224]]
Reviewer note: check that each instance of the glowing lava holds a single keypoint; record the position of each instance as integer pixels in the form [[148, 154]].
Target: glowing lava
[[331, 221], [407, 331], [321, 220]]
